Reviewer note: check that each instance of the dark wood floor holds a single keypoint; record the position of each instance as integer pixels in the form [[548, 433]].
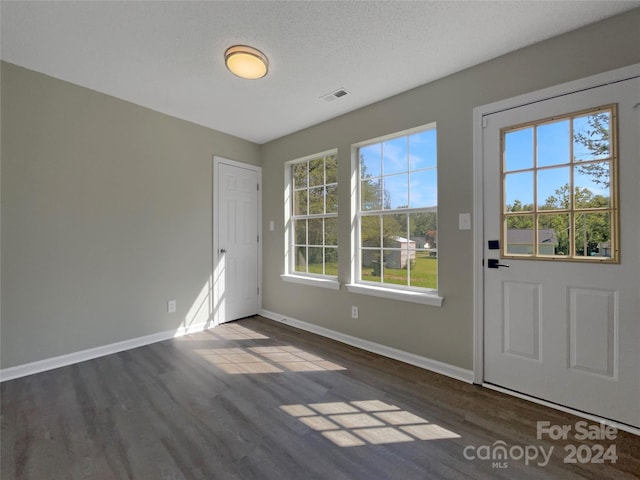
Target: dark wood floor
[[258, 400]]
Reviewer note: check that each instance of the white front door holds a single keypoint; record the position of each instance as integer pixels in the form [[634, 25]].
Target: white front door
[[565, 326], [236, 241]]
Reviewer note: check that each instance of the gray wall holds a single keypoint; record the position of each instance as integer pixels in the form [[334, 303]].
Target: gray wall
[[446, 333], [106, 214]]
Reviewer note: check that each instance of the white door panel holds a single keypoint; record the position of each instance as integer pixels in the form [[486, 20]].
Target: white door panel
[[236, 272], [568, 332]]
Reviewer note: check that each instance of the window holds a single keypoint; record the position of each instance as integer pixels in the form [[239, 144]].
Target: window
[[397, 232], [559, 188], [311, 212]]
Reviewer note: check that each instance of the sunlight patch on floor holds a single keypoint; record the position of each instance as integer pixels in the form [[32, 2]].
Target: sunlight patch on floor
[[237, 361], [273, 359], [233, 331], [295, 359], [349, 424]]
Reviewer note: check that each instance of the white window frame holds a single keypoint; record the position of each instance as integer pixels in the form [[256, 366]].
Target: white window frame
[[356, 285], [290, 275]]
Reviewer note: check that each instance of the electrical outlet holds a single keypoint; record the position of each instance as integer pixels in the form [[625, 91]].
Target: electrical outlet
[[171, 306], [354, 312]]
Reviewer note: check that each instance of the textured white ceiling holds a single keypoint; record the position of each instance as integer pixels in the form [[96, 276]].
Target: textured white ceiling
[[168, 55]]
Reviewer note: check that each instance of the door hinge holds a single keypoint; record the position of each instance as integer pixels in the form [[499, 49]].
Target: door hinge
[[258, 238], [484, 122], [258, 187], [258, 290]]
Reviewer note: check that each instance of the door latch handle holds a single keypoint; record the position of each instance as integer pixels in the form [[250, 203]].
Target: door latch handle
[[495, 263], [223, 250]]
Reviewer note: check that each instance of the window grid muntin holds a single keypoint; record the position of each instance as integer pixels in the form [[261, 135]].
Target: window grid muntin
[[572, 211], [307, 217]]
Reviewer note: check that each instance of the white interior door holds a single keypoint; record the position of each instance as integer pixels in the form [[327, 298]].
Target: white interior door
[[565, 331], [236, 242]]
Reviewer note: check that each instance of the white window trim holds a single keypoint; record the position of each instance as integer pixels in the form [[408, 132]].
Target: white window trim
[[306, 279], [289, 275], [405, 294], [414, 296]]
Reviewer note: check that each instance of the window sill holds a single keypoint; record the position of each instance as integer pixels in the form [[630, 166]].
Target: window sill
[[330, 283], [402, 295]]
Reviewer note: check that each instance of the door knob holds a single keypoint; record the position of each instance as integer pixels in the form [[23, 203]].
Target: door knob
[[495, 263]]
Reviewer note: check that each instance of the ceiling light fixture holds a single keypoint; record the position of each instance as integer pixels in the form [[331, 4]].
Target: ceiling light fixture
[[246, 62]]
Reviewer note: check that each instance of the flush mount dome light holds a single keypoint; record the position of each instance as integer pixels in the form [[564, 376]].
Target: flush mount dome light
[[246, 62]]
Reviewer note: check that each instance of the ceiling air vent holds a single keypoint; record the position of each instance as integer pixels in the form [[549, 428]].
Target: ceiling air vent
[[330, 97]]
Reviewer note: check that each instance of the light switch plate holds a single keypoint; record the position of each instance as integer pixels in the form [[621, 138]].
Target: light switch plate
[[464, 221]]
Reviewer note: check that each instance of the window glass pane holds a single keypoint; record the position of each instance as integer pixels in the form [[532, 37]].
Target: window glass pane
[[316, 200], [553, 234], [424, 271], [370, 161], [520, 235], [553, 185], [591, 135], [331, 261], [396, 191], [593, 234], [316, 172], [371, 266], [518, 153], [371, 194], [315, 231], [423, 228], [300, 227], [592, 185], [299, 175], [300, 202], [332, 199], [394, 228], [301, 259], [519, 191], [315, 260], [394, 267], [331, 168], [408, 254], [423, 149], [370, 231], [394, 156], [423, 189], [553, 143], [331, 231]]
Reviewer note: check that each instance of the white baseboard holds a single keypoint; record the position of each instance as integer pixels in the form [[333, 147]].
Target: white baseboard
[[406, 357], [91, 353]]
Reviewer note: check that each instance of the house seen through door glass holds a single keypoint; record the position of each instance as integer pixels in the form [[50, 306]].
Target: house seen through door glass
[[559, 188]]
